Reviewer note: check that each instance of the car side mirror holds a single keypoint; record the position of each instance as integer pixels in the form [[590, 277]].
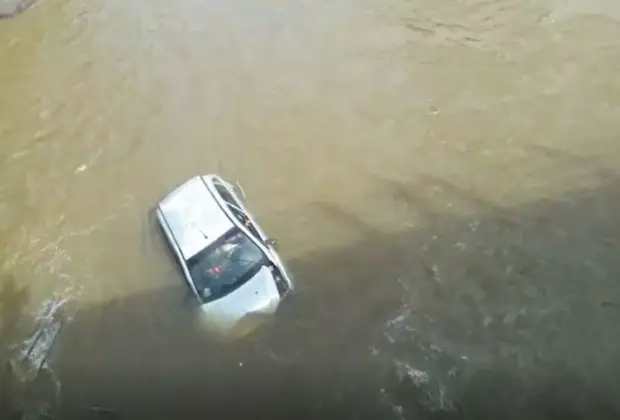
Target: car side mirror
[[272, 243]]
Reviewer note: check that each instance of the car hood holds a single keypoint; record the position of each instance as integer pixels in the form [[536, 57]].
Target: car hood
[[258, 298]]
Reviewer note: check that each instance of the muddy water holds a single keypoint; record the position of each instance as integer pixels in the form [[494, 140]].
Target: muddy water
[[440, 175]]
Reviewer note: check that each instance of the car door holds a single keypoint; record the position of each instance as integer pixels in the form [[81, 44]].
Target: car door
[[246, 219], [274, 256], [240, 211], [248, 222]]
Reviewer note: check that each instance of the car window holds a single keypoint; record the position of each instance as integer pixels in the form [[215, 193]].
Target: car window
[[225, 265], [253, 230], [245, 221], [237, 209], [226, 194]]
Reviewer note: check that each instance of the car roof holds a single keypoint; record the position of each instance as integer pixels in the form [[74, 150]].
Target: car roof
[[194, 216]]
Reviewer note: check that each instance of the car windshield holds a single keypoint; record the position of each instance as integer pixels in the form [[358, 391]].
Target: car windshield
[[225, 265]]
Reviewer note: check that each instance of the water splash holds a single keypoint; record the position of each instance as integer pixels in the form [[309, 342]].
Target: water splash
[[49, 321], [420, 370]]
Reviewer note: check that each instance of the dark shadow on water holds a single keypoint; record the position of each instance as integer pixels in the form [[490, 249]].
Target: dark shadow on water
[[523, 304], [13, 299]]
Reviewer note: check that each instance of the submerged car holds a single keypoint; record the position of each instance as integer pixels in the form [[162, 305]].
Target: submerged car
[[230, 264]]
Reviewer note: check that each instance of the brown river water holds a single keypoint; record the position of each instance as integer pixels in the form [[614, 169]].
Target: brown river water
[[443, 178]]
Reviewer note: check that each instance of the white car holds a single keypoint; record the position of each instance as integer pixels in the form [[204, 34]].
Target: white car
[[230, 264]]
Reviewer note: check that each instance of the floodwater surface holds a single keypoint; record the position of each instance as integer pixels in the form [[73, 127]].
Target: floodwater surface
[[441, 176]]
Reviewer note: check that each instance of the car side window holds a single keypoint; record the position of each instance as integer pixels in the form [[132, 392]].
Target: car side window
[[253, 230], [236, 208], [226, 194], [245, 221]]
